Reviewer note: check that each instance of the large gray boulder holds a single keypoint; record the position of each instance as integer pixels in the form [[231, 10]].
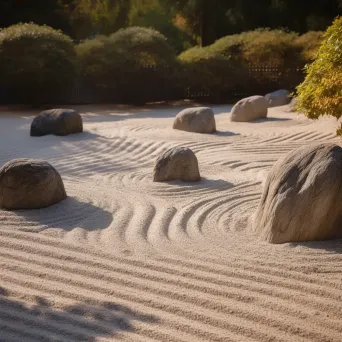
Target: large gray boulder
[[278, 98], [249, 109], [29, 184], [196, 120], [302, 198], [57, 122], [178, 163]]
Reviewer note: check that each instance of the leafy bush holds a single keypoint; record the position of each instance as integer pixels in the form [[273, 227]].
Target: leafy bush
[[134, 64], [321, 91], [309, 44], [262, 46], [204, 70], [147, 46], [268, 47], [218, 75], [36, 63], [229, 64]]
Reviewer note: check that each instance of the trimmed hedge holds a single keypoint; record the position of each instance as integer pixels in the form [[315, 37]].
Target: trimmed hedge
[[129, 65], [37, 64], [228, 65], [138, 65], [262, 46], [309, 44], [219, 76]]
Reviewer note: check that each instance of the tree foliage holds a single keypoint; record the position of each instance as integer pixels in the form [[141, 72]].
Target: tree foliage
[[212, 19], [41, 12], [157, 17], [321, 91], [203, 21], [203, 18], [103, 16]]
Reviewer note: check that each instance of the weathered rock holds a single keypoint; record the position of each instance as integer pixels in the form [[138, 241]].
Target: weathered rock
[[302, 198], [29, 184], [249, 109], [292, 106], [278, 98], [57, 122], [178, 163], [196, 120]]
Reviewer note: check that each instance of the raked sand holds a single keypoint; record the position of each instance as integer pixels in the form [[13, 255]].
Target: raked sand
[[127, 259]]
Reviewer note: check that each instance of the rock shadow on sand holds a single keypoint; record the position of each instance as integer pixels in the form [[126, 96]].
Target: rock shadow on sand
[[203, 183], [269, 119], [156, 111], [75, 137], [67, 215], [80, 322], [330, 246], [225, 134]]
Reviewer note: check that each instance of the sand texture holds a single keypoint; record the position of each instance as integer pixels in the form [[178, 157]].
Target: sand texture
[[127, 259]]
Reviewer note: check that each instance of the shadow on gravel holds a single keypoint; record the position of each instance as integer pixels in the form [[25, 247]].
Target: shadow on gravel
[[80, 322]]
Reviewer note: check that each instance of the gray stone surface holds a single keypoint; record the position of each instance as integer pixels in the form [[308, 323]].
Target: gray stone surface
[[57, 122], [292, 106], [278, 98], [302, 198], [249, 109], [196, 120], [178, 163], [29, 184]]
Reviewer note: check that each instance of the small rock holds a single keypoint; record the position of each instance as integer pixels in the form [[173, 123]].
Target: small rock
[[57, 122], [249, 109], [278, 98], [29, 184], [196, 120], [292, 106], [178, 163]]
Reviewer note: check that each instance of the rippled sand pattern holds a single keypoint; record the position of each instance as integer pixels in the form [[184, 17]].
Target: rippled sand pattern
[[124, 258]]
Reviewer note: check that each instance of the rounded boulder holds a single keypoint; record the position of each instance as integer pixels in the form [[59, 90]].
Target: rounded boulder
[[29, 184], [278, 98], [249, 109], [302, 198], [178, 163], [57, 122], [292, 106], [196, 120]]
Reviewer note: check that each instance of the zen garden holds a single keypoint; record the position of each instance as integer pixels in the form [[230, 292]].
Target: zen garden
[[170, 170]]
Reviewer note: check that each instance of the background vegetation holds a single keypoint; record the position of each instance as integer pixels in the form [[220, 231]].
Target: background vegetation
[[183, 22], [149, 50]]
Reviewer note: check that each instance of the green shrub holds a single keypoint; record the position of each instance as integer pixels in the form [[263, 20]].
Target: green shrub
[[321, 91], [232, 63], [95, 60], [146, 46], [309, 44], [262, 46], [36, 63], [204, 70], [133, 65], [219, 75]]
